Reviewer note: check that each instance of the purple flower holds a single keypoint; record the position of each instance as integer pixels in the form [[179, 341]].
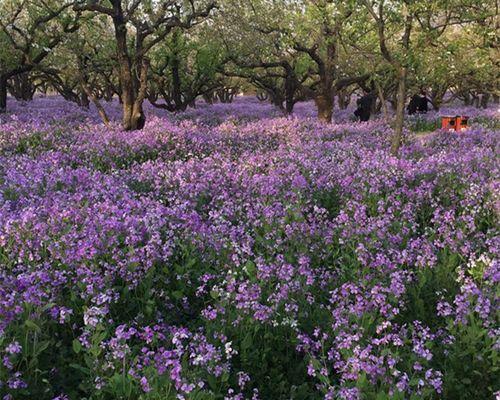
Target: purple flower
[[13, 348], [145, 385]]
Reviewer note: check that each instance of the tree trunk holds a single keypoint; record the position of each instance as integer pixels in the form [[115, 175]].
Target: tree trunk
[[210, 97], [437, 97], [344, 99], [373, 108], [262, 96], [101, 111], [466, 99], [277, 99], [137, 118], [129, 121], [97, 103], [132, 100], [484, 100], [3, 94], [289, 105], [21, 87], [127, 97], [324, 105], [84, 100], [176, 84], [400, 112], [226, 95], [290, 89], [436, 103], [383, 102], [475, 100]]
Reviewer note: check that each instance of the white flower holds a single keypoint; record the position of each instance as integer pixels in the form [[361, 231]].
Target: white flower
[[229, 350]]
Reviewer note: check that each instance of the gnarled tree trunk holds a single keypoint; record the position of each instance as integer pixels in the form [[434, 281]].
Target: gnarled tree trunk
[[485, 98], [3, 94], [133, 91], [324, 105], [291, 88], [400, 111], [95, 100], [21, 87]]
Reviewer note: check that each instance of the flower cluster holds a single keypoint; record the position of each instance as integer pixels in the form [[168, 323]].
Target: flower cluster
[[230, 252]]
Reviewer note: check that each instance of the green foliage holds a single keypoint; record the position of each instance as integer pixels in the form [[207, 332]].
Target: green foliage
[[471, 363], [422, 124]]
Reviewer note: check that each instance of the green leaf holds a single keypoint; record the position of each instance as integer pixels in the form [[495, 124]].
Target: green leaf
[[250, 268], [177, 294], [31, 325], [42, 346], [247, 342], [80, 368], [212, 382], [77, 346]]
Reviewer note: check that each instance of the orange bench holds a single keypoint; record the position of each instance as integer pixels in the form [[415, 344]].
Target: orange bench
[[457, 123]]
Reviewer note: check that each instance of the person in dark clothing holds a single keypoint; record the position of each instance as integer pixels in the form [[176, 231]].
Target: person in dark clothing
[[423, 104], [364, 107], [419, 103], [413, 105]]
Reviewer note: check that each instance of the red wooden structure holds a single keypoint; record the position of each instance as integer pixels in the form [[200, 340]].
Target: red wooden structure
[[457, 123]]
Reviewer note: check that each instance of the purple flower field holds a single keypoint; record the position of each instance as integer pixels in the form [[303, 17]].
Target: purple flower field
[[231, 253]]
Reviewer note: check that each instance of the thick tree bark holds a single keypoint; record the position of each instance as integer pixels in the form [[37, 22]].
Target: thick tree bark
[[132, 93], [436, 103], [277, 98], [324, 105], [325, 99], [400, 111], [3, 94], [130, 110], [138, 118]]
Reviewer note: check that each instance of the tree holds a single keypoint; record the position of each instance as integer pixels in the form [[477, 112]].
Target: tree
[[405, 27], [303, 43], [397, 18], [150, 22], [323, 35], [259, 52], [29, 31], [184, 67]]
